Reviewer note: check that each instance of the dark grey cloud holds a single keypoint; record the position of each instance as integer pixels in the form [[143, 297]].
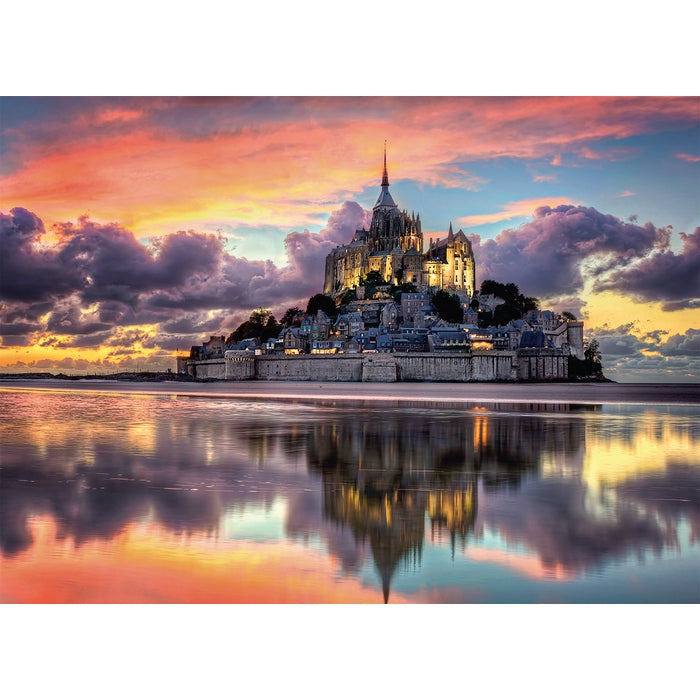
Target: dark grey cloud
[[24, 312], [673, 278], [684, 344], [191, 323], [18, 328], [621, 346], [98, 262], [623, 341], [544, 256], [67, 318], [29, 274], [9, 339], [117, 267]]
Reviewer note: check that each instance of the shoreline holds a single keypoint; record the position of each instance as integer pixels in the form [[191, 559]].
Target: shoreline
[[422, 392]]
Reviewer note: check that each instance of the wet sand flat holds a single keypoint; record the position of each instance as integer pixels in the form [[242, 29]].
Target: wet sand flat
[[566, 393]]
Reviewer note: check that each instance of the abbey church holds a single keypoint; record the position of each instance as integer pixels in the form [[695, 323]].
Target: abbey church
[[394, 248]]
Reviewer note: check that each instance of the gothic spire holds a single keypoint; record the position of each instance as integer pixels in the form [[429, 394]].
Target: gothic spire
[[385, 174], [450, 234], [385, 199]]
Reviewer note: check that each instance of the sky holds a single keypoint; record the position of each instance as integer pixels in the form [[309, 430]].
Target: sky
[[133, 228]]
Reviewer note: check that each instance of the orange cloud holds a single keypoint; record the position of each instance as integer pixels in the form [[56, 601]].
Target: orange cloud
[[687, 157]]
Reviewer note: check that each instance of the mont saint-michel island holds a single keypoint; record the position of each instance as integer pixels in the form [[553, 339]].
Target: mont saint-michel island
[[398, 307]]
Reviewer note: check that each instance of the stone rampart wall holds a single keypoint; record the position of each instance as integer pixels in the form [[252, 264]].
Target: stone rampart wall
[[207, 369], [543, 367], [409, 367], [309, 368]]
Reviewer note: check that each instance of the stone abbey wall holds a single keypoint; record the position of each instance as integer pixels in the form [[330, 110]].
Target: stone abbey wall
[[412, 367]]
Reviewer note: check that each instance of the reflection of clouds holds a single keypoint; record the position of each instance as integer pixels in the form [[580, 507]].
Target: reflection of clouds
[[180, 462], [369, 484], [669, 497], [621, 447], [553, 519], [637, 478]]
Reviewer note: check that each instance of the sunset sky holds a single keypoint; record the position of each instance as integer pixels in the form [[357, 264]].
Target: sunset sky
[[134, 227]]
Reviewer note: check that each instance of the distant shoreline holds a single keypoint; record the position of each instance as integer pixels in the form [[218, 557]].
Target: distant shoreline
[[419, 392]]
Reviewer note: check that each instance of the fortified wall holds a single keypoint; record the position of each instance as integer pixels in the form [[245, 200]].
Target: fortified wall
[[391, 367]]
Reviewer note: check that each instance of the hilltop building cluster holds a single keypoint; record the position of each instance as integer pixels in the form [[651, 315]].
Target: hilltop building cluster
[[396, 327], [389, 327]]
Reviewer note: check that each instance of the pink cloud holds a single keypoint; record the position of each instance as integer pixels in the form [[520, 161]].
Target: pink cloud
[[512, 210], [611, 154], [687, 157]]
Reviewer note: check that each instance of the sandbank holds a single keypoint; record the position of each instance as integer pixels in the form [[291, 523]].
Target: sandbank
[[541, 393]]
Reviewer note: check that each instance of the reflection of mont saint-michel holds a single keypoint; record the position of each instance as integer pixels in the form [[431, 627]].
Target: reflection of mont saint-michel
[[383, 478], [386, 326]]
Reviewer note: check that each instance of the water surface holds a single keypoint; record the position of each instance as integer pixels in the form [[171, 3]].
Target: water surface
[[111, 497]]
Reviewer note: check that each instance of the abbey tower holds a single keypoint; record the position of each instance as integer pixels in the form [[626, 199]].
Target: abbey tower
[[394, 248]]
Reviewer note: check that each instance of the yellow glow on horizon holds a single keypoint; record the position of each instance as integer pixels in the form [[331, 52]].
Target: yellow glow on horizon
[[616, 310], [45, 351]]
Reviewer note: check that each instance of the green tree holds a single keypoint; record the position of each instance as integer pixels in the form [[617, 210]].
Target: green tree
[[568, 316], [289, 315], [375, 277], [447, 306], [261, 324], [528, 303], [260, 316], [503, 314], [591, 351], [516, 304], [498, 289], [322, 302], [591, 367], [396, 290], [371, 282], [348, 297]]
